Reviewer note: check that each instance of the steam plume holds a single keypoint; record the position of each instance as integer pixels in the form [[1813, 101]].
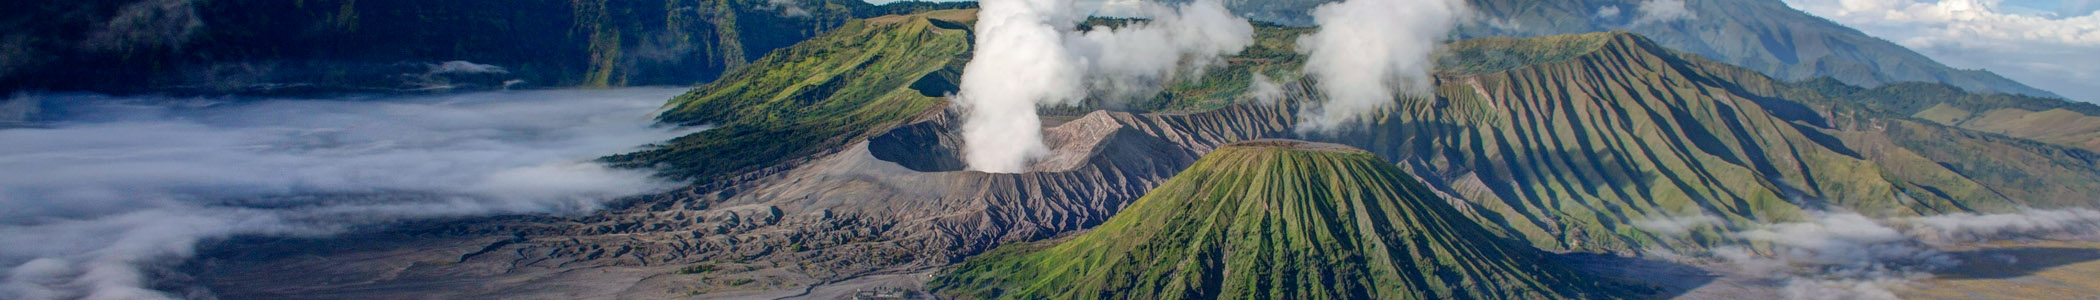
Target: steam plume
[[1135, 61], [1366, 50], [1028, 54], [1020, 61]]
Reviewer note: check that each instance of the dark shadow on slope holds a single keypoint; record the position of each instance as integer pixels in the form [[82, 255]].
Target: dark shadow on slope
[[1826, 140], [923, 147], [938, 84], [2015, 262], [1663, 279]]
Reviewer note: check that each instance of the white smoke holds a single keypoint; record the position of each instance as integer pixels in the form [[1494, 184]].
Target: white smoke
[[1844, 255], [1366, 50], [1020, 61], [1028, 53], [1134, 61], [119, 189], [1265, 91]]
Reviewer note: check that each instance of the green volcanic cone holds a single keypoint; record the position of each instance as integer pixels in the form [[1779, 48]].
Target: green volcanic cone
[[1278, 220]]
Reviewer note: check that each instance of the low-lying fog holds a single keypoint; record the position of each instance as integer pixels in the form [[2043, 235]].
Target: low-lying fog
[[118, 188]]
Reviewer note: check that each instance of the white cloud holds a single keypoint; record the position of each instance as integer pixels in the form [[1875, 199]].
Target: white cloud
[[1981, 34], [789, 8], [1607, 12], [1844, 255], [1264, 90], [1505, 24], [1658, 11], [101, 200], [466, 67]]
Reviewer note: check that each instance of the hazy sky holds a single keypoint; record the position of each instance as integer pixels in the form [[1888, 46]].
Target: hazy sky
[[2050, 44]]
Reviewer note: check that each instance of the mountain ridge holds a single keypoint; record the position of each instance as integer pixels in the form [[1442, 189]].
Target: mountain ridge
[[1763, 35], [400, 46], [1568, 155], [1282, 219]]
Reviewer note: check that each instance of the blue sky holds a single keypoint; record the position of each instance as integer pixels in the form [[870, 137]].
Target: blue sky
[[2031, 7]]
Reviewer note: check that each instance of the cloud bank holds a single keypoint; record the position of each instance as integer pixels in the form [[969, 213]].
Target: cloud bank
[[1028, 53], [1366, 50], [1844, 255], [2052, 52], [121, 188]]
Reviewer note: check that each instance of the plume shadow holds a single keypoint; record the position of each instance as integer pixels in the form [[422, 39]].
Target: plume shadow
[[1660, 279], [2007, 263]]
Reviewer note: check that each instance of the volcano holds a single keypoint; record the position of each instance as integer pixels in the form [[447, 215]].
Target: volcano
[[1278, 219]]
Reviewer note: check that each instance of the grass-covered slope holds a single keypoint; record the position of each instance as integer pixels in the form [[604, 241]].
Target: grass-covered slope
[[1576, 142], [859, 80], [2048, 120], [1277, 220]]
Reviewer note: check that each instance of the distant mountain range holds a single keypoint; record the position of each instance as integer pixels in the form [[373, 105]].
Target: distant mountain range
[[1763, 35], [395, 46]]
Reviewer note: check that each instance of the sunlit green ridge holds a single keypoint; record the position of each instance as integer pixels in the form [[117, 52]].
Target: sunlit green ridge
[[861, 79], [1277, 220]]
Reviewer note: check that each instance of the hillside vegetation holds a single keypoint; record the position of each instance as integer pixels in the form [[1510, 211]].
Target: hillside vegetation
[[839, 88], [1570, 142], [1277, 220], [1577, 151], [2054, 121], [834, 160]]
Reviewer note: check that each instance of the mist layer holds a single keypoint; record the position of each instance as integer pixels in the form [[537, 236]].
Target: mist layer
[[116, 189]]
